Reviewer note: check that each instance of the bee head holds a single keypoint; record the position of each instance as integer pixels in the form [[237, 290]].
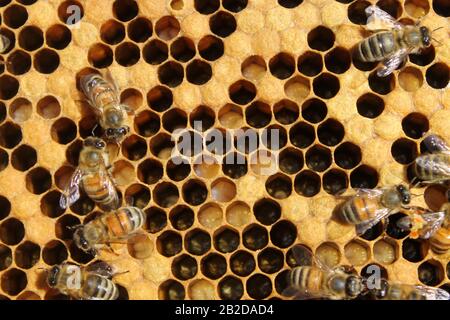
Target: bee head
[[94, 142], [404, 193], [80, 240], [353, 286], [404, 223], [426, 37], [52, 276], [117, 133]]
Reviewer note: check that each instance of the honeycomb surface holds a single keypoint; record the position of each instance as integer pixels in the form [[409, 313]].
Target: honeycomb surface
[[221, 230]]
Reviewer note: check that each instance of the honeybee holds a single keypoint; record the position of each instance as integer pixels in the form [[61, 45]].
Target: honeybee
[[400, 291], [430, 225], [369, 206], [93, 176], [319, 281], [4, 43], [433, 167], [87, 283], [392, 41], [103, 95], [114, 226]]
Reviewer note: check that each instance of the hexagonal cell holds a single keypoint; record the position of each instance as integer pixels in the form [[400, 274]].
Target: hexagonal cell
[[286, 111], [140, 246], [140, 29], [254, 68], [270, 260], [156, 220], [210, 48], [297, 88], [38, 180], [182, 49], [302, 135], [206, 7], [357, 252], [234, 165], [290, 160], [267, 211], [371, 268], [15, 16], [171, 290], [255, 237], [279, 186], [385, 251], [438, 75], [404, 151], [213, 266], [184, 267], [328, 253], [147, 123], [210, 215], [274, 137], [310, 63], [283, 234], [125, 10], [226, 240], [335, 181], [238, 214], [364, 177], [223, 190], [410, 79], [127, 54], [13, 281], [194, 192], [206, 167], [63, 226], [46, 61], [155, 52], [5, 257], [150, 171], [31, 38], [112, 32], [415, 125], [393, 230], [27, 255], [5, 207], [201, 290], [66, 10], [84, 205], [137, 195], [50, 204], [318, 158], [314, 110], [381, 85], [167, 28], [321, 38], [431, 273], [282, 65], [198, 72], [23, 158], [414, 250], [242, 263], [100, 55], [374, 232], [54, 252], [10, 135], [242, 92], [181, 217], [165, 194], [4, 159], [202, 118], [18, 62], [435, 196], [12, 231], [48, 107], [338, 60], [169, 243], [326, 85], [197, 242], [58, 36], [178, 169], [425, 57], [222, 24], [234, 5], [174, 119], [331, 132], [258, 114], [171, 74], [307, 183], [356, 12], [258, 286], [230, 288]]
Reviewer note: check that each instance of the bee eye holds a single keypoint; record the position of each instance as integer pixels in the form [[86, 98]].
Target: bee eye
[[100, 145], [110, 132]]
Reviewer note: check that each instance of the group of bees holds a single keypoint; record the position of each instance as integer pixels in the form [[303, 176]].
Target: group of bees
[[391, 43]]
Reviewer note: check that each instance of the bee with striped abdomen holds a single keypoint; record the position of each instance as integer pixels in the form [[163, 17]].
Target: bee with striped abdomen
[[369, 206], [110, 227], [103, 95], [392, 41], [4, 43], [87, 283], [93, 176], [401, 291]]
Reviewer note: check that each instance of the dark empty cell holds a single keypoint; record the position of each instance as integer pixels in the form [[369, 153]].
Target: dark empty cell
[[198, 72], [174, 119], [338, 60], [15, 16], [4, 3], [307, 183], [140, 29], [4, 159], [286, 111], [112, 32], [10, 135], [235, 165], [347, 155], [370, 105], [321, 38], [206, 6], [38, 180], [424, 57], [171, 290], [202, 118], [258, 114], [30, 38], [335, 181], [356, 12], [159, 98], [58, 36], [279, 186], [393, 7], [210, 48], [218, 142], [83, 206], [64, 225], [171, 74], [13, 281], [12, 231], [226, 240], [364, 177], [270, 260], [290, 3], [404, 151], [169, 243], [414, 250], [2, 112], [127, 54], [255, 237], [435, 196], [50, 204], [283, 234], [303, 256], [70, 12], [63, 130], [100, 55], [54, 252], [214, 266], [430, 273], [274, 137], [195, 192], [290, 160], [282, 66], [230, 288], [441, 7], [161, 144], [167, 28], [302, 135], [234, 5], [23, 158], [242, 92], [156, 220], [259, 286], [137, 195], [125, 10], [381, 85], [73, 152], [242, 263], [134, 147], [438, 75], [18, 62], [314, 110], [310, 63], [46, 61], [27, 255], [165, 194], [178, 169], [147, 123], [326, 86], [247, 141], [184, 267], [415, 125], [222, 24], [5, 257], [318, 158], [331, 132], [181, 217], [182, 49], [281, 281], [374, 232], [9, 87], [197, 242]]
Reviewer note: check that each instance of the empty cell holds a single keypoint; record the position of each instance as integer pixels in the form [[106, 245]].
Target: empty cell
[[381, 85], [347, 155], [438, 75], [100, 55], [140, 29], [258, 286], [335, 181], [331, 132], [155, 52], [279, 186], [415, 125], [125, 10], [30, 38], [18, 62], [63, 131], [167, 28], [73, 152], [134, 147], [182, 49], [282, 66], [326, 85], [310, 63], [364, 177], [357, 252], [281, 282], [223, 190], [307, 183], [247, 141], [206, 6], [242, 263], [88, 126], [10, 135], [38, 180], [234, 5], [370, 105], [84, 205], [314, 110], [258, 114], [198, 72], [206, 167], [63, 226], [222, 24], [226, 240], [286, 111], [23, 158], [404, 151], [302, 135], [274, 137], [159, 98], [410, 79], [435, 196], [424, 57], [255, 237], [58, 36], [254, 68], [13, 281], [165, 194], [230, 288], [5, 257], [234, 165], [156, 220], [190, 143], [174, 119], [441, 7], [127, 54], [385, 251], [321, 38], [202, 118], [194, 192], [15, 16], [197, 242], [210, 47], [290, 160], [414, 250], [171, 290], [184, 267], [290, 4], [147, 123], [137, 195], [4, 3], [50, 204], [238, 214], [242, 92], [178, 169], [9, 86], [338, 60], [161, 145], [46, 61], [2, 112], [393, 7], [169, 243], [4, 159], [70, 12], [112, 32], [54, 252], [297, 88], [210, 215], [181, 217], [27, 255], [171, 74], [283, 234], [431, 273], [318, 158], [356, 12], [270, 260]]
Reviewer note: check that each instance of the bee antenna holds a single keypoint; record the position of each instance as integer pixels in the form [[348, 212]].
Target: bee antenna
[[441, 27], [416, 195], [440, 43]]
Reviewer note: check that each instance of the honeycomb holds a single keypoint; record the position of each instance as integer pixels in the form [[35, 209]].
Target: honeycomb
[[220, 229]]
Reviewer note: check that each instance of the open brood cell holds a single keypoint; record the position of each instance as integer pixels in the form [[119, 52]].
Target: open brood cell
[[221, 228]]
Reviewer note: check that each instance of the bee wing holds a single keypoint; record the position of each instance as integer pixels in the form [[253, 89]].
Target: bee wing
[[433, 221], [304, 257], [370, 193], [72, 191], [378, 19], [435, 143], [392, 63], [101, 268], [110, 79], [380, 214], [431, 293]]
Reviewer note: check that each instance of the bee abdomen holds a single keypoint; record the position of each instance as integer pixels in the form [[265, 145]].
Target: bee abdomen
[[376, 47], [357, 210], [432, 167], [135, 215], [440, 242], [101, 192], [99, 288]]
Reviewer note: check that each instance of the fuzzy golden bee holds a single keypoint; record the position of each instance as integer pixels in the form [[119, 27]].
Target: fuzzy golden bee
[[369, 206], [93, 176], [110, 227], [401, 291], [86, 283], [433, 167], [103, 95], [391, 42]]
